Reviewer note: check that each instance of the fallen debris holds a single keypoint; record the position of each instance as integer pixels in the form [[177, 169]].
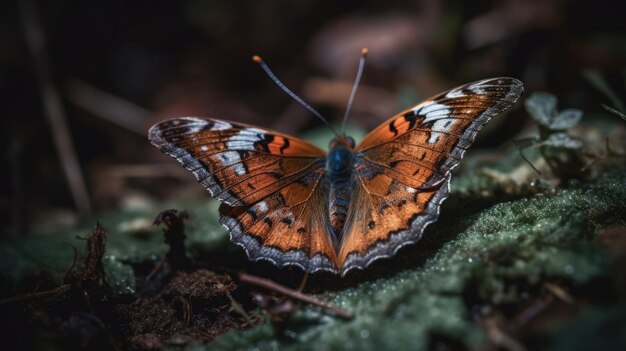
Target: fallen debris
[[294, 294], [174, 221]]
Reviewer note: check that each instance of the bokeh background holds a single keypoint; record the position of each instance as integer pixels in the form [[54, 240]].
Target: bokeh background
[[515, 257], [117, 67]]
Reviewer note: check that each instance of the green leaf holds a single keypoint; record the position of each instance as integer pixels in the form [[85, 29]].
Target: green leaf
[[566, 119], [563, 140], [542, 107]]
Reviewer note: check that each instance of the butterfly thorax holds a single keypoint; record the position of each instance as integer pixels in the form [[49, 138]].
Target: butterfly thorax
[[339, 165]]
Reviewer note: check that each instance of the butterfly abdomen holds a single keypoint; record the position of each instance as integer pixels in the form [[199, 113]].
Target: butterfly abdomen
[[339, 166]]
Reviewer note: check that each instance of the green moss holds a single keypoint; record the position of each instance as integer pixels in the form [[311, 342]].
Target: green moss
[[53, 252], [524, 241]]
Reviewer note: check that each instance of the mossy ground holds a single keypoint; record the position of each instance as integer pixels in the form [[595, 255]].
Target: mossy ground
[[500, 260], [524, 258]]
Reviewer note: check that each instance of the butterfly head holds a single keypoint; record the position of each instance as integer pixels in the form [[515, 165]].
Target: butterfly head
[[340, 156], [343, 140]]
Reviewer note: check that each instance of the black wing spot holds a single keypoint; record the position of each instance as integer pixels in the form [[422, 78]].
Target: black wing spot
[[267, 221], [392, 128], [243, 154], [301, 230], [393, 164], [411, 117], [467, 92], [208, 126], [402, 203], [285, 146], [287, 221], [280, 197], [252, 212], [371, 224], [263, 144]]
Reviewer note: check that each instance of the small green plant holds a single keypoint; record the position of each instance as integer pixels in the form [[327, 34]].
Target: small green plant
[[562, 153]]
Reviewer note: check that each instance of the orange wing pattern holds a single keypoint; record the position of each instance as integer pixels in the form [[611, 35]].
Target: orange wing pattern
[[403, 167], [275, 188], [268, 183]]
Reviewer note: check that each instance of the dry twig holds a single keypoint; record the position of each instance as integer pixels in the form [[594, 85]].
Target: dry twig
[[36, 43], [294, 294]]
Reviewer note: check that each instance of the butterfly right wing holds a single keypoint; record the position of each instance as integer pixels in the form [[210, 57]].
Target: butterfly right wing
[[403, 167], [268, 183]]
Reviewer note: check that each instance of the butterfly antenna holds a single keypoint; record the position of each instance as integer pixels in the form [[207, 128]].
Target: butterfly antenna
[[359, 73], [266, 68]]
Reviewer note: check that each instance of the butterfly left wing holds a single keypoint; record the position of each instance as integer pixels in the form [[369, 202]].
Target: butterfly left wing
[[267, 183], [403, 167]]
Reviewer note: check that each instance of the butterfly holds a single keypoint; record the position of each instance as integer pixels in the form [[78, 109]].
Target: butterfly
[[289, 202]]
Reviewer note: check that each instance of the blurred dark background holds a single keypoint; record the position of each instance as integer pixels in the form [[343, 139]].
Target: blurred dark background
[[117, 67]]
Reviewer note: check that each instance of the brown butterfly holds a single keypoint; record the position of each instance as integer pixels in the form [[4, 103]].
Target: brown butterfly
[[289, 202]]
